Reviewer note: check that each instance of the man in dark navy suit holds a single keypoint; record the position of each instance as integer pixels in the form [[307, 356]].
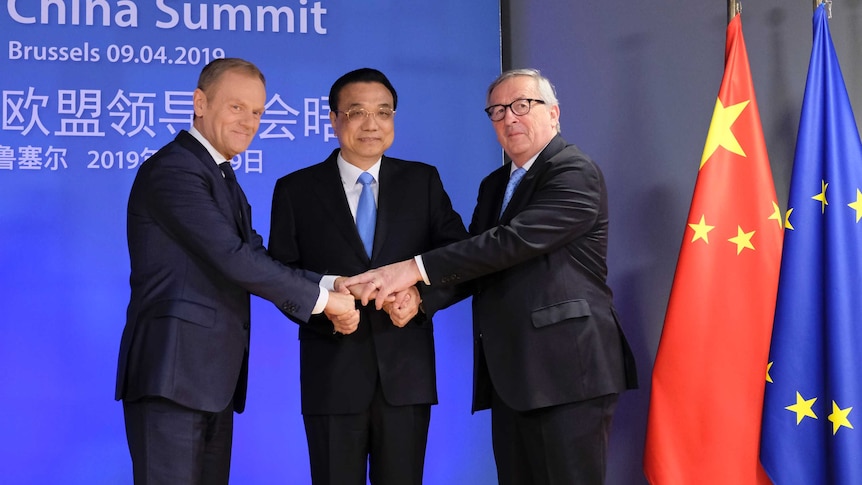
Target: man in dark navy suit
[[195, 259], [367, 396], [550, 358]]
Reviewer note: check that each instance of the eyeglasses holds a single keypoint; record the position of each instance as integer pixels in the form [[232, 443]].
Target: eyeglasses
[[358, 114], [519, 107]]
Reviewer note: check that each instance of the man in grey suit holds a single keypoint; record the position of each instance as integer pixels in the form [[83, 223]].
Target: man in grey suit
[[550, 358], [195, 259]]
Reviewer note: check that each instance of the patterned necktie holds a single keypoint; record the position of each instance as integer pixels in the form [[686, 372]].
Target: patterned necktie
[[514, 180], [366, 212]]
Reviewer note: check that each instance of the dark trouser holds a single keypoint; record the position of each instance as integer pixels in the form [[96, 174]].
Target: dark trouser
[[171, 444], [557, 445], [388, 441]]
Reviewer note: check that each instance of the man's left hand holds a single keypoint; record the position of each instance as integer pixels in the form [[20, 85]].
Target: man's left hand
[[404, 308]]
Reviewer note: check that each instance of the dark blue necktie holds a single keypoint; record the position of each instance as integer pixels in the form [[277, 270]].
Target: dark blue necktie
[[366, 212], [232, 185], [514, 180]]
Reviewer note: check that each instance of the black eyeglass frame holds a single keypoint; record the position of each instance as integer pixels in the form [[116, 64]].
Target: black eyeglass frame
[[490, 110]]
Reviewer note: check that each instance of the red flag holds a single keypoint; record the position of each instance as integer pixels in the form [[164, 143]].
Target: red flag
[[709, 375]]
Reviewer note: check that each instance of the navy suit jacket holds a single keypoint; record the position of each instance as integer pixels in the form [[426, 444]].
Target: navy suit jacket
[[545, 328], [194, 261], [313, 229]]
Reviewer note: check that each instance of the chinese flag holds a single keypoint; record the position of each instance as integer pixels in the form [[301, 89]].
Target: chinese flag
[[710, 372]]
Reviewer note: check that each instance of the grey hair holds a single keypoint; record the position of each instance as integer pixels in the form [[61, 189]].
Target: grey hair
[[543, 84]]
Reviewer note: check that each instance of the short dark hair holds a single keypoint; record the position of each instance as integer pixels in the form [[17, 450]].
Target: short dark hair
[[362, 75], [215, 69]]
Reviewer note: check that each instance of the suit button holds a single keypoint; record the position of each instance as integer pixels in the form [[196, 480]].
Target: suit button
[[450, 278], [245, 325]]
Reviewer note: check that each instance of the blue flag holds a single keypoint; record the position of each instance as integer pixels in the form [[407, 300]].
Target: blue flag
[[812, 429]]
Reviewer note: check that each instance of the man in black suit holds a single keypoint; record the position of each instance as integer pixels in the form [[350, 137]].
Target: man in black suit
[[366, 397], [550, 356], [194, 261]]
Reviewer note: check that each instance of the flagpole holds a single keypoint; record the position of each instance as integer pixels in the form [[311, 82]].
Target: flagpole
[[828, 7], [735, 6]]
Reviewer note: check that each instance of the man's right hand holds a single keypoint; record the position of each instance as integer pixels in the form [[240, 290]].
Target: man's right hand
[[342, 312], [382, 283]]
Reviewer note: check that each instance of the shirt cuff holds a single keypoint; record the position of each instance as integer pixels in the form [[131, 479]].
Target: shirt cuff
[[328, 282], [322, 300], [421, 265]]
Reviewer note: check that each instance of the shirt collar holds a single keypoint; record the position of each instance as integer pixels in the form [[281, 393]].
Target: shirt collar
[[526, 166], [349, 173], [218, 157]]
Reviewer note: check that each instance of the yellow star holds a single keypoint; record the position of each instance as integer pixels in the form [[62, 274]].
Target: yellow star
[[857, 205], [742, 240], [787, 224], [719, 134], [776, 214], [822, 196], [839, 417], [701, 230], [768, 377], [802, 408]]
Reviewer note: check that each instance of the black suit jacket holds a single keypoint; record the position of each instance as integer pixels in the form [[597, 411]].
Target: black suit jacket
[[194, 261], [312, 228], [546, 332]]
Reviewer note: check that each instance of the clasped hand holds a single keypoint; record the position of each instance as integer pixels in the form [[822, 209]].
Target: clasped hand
[[401, 306], [391, 287], [385, 283]]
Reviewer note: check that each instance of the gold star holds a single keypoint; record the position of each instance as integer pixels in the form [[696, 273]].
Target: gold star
[[776, 214], [742, 240], [701, 230], [719, 134], [802, 408], [857, 205], [787, 224], [822, 196], [768, 377], [839, 417]]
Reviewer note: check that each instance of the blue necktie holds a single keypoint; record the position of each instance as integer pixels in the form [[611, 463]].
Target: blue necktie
[[514, 180], [366, 212]]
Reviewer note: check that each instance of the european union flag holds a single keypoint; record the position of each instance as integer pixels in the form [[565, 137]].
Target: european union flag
[[814, 375]]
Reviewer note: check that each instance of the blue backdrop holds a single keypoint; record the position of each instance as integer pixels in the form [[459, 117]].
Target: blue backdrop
[[89, 91]]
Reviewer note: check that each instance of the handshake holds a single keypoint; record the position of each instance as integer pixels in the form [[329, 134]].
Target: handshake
[[393, 287]]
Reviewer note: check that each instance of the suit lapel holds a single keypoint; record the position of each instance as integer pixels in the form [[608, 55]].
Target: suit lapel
[[525, 188], [389, 199], [243, 216], [330, 192], [240, 215], [499, 187], [487, 212]]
